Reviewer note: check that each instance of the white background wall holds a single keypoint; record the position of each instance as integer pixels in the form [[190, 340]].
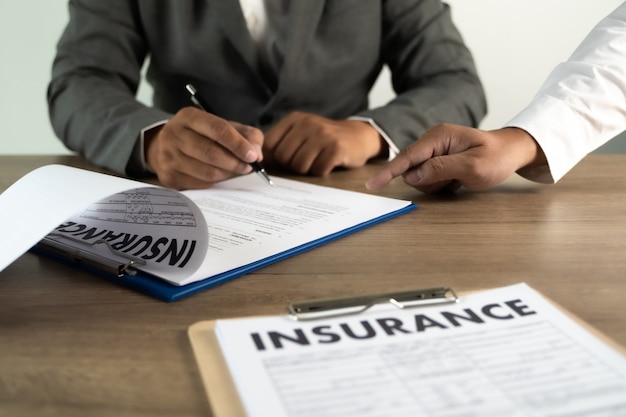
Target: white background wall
[[515, 43]]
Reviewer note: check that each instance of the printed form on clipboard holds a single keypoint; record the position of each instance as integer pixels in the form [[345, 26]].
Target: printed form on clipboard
[[501, 352], [171, 244]]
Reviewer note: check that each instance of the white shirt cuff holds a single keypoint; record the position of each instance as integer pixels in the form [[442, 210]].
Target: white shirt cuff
[[393, 148], [139, 153]]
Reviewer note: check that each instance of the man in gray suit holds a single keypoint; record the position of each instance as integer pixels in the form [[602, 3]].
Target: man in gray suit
[[286, 81]]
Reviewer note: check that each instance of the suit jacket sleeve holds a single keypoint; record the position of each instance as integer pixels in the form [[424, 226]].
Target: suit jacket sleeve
[[91, 96], [433, 72]]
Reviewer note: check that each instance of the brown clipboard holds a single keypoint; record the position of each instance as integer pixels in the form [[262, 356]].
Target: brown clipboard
[[218, 384]]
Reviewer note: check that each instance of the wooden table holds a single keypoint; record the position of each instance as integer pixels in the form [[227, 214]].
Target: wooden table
[[72, 344]]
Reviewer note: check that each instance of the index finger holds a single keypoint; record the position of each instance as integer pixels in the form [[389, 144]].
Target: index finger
[[411, 157], [225, 134], [253, 135], [392, 170]]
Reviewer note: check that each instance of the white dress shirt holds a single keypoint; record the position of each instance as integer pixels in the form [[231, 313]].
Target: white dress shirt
[[582, 104], [267, 24]]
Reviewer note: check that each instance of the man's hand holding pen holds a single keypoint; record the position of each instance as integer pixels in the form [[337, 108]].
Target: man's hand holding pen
[[195, 149]]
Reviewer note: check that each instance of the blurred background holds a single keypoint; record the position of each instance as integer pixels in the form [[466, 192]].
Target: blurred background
[[515, 43]]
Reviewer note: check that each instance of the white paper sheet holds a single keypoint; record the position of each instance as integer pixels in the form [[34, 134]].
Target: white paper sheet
[[43, 199], [249, 221]]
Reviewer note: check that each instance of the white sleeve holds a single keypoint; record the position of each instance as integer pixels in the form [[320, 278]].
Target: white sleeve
[[139, 155], [582, 104], [391, 146]]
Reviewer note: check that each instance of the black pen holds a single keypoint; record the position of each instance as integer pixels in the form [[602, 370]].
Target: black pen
[[201, 104]]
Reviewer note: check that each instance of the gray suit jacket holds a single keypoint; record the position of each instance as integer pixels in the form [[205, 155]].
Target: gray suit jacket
[[334, 53]]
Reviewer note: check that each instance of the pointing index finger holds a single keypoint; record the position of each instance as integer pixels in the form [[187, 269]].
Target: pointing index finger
[[400, 165]]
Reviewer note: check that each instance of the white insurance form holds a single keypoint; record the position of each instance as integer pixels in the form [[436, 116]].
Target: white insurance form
[[503, 352]]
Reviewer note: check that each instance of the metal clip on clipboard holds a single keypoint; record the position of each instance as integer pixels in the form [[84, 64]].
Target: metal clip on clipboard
[[316, 309], [86, 257]]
